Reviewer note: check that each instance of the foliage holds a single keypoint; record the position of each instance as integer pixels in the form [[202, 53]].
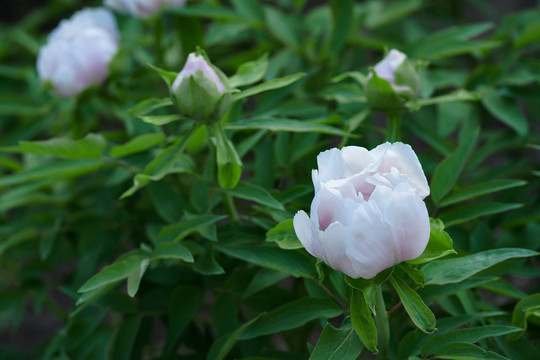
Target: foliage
[[129, 231]]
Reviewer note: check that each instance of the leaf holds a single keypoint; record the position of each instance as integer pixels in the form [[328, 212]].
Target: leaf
[[447, 172], [379, 14], [117, 271], [465, 213], [263, 279], [530, 35], [160, 120], [255, 193], [18, 237], [58, 170], [250, 72], [149, 105], [481, 189], [183, 305], [342, 20], [171, 250], [221, 347], [419, 313], [125, 338], [291, 316], [177, 232], [167, 76], [455, 96], [466, 351], [505, 109], [447, 271], [284, 235], [91, 147], [362, 321], [205, 11], [282, 27], [529, 306], [285, 125], [269, 85], [440, 244], [134, 279], [137, 144], [207, 264], [470, 335], [337, 344], [228, 162], [292, 262]]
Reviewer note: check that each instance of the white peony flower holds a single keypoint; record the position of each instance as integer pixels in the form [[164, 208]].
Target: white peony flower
[[78, 51], [367, 214], [142, 8]]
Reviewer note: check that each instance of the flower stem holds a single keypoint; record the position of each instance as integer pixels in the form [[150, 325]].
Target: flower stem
[[381, 321], [393, 133], [231, 208]]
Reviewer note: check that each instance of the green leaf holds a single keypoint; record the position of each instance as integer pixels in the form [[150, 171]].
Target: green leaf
[[419, 313], [337, 344], [362, 321], [251, 10], [137, 144], [481, 189], [284, 235], [207, 264], [269, 85], [205, 11], [530, 35], [221, 347], [379, 14], [505, 109], [250, 72], [291, 316], [363, 284], [342, 20], [268, 255], [58, 170], [447, 271], [457, 351], [470, 335], [17, 238], [263, 279], [529, 306], [134, 279], [455, 96], [255, 193], [91, 147], [167, 76], [160, 120], [177, 232], [447, 172], [440, 244], [228, 162], [183, 305], [465, 213], [285, 125], [148, 105], [119, 270], [282, 27], [171, 250], [126, 336]]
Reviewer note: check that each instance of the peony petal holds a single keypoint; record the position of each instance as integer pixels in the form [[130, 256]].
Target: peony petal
[[402, 157], [331, 165], [333, 241], [307, 234]]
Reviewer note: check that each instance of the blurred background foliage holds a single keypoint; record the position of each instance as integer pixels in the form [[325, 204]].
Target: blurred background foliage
[[202, 279]]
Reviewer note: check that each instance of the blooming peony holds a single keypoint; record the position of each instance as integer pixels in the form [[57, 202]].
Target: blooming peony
[[142, 8], [368, 212], [78, 51]]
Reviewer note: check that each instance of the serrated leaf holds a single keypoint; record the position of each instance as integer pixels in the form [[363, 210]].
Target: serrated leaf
[[447, 271]]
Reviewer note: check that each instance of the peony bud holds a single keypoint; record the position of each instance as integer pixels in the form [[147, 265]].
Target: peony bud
[[392, 83], [78, 51], [199, 90], [142, 8], [368, 212]]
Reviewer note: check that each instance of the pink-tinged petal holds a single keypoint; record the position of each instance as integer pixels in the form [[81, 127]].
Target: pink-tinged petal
[[333, 241], [370, 248], [402, 157], [407, 217], [196, 63], [331, 165], [307, 233], [356, 159], [386, 68]]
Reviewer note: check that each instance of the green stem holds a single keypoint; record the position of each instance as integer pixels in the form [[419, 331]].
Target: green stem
[[381, 321], [231, 208], [393, 133]]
